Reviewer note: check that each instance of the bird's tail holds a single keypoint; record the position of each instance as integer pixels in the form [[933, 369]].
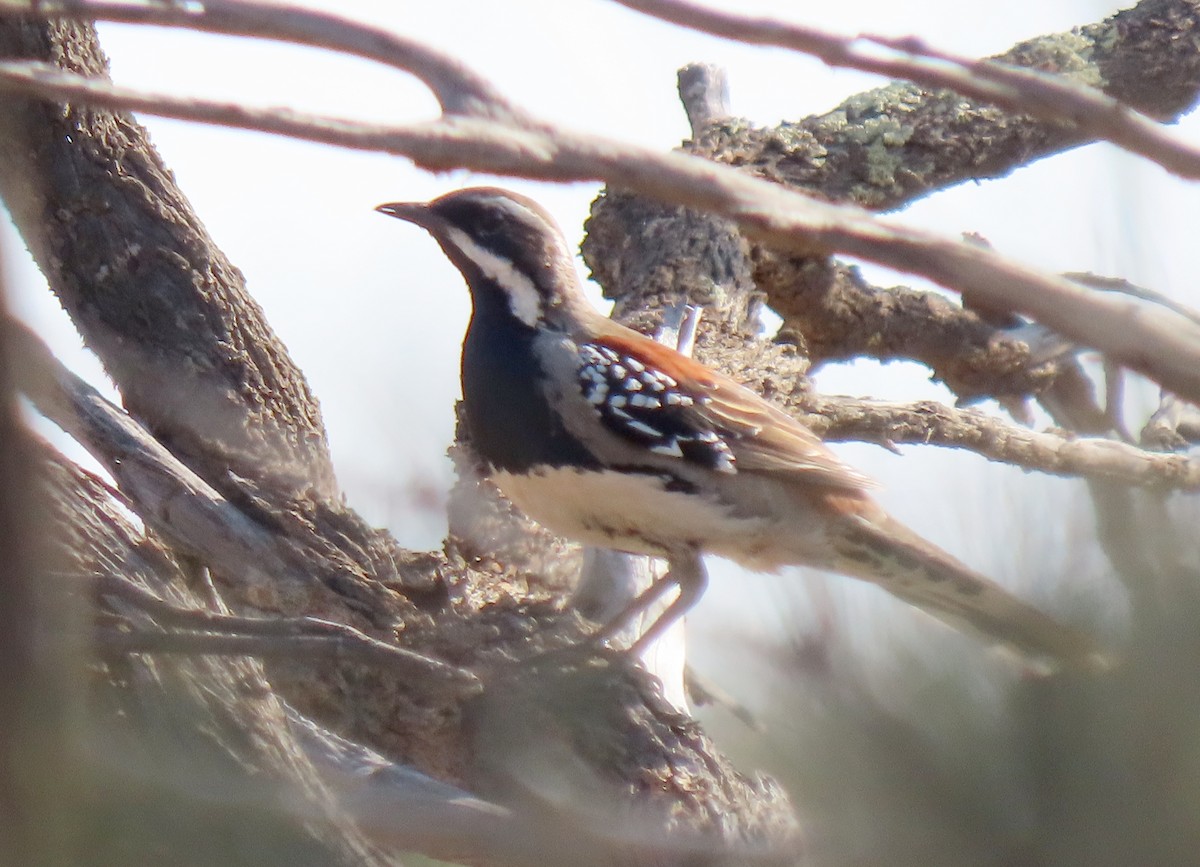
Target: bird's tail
[[887, 553]]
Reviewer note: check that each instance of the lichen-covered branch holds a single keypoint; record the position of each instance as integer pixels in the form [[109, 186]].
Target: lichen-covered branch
[[888, 146]]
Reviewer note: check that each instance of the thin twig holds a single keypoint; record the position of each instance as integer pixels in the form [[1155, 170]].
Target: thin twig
[[1125, 287], [457, 89], [227, 634]]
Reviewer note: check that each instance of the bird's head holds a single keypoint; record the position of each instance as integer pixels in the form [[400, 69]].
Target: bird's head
[[502, 242]]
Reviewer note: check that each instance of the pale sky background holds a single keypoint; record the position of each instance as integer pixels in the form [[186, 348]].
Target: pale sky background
[[374, 314]]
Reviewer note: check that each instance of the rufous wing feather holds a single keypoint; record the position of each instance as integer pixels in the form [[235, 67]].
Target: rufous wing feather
[[760, 436]]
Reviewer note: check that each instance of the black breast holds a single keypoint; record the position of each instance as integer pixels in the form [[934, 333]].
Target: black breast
[[511, 423]]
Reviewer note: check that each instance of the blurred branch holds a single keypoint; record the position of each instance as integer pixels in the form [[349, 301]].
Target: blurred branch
[[457, 89], [1174, 425], [779, 218], [34, 674], [400, 808], [1125, 287], [169, 744], [302, 637]]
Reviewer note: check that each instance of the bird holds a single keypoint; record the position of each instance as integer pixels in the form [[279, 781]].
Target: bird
[[604, 436]]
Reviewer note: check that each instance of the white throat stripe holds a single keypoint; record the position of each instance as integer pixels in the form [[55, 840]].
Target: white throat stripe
[[523, 297]]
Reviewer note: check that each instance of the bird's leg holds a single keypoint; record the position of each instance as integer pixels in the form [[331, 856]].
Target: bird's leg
[[686, 571], [644, 600]]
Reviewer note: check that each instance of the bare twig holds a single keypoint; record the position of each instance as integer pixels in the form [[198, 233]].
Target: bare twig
[[704, 91], [1125, 287], [457, 89], [777, 217], [1028, 91], [275, 636]]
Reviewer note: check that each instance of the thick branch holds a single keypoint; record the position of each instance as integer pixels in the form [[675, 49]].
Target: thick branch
[[835, 315], [166, 312], [169, 745]]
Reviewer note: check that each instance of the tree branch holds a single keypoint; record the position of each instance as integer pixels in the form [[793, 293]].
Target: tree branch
[[1054, 98], [1058, 454], [169, 744], [457, 89], [834, 314], [888, 146]]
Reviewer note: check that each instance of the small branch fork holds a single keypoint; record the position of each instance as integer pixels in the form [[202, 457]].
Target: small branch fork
[[480, 130]]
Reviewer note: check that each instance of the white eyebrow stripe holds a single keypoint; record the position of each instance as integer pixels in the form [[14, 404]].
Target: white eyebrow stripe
[[523, 297]]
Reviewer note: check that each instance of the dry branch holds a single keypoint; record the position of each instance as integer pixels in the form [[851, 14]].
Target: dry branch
[[1056, 453], [457, 89]]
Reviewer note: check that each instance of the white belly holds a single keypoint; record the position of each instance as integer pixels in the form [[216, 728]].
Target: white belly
[[628, 512]]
